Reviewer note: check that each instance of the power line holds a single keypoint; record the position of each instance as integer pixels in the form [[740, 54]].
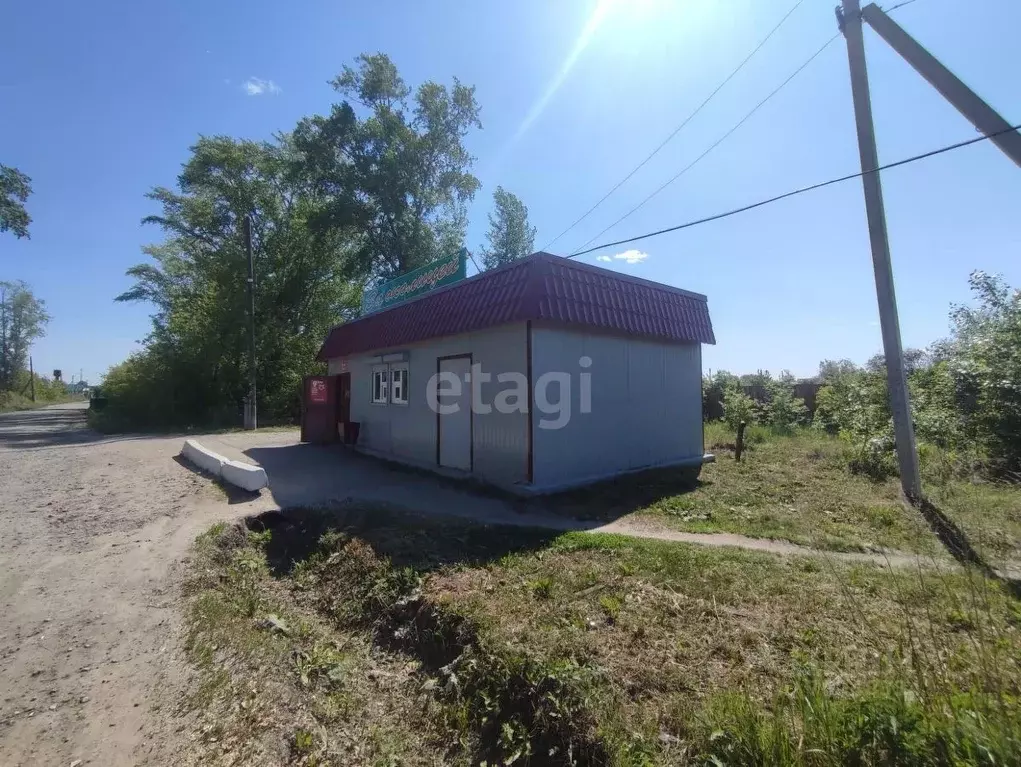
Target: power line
[[719, 141], [899, 5], [678, 129], [796, 192]]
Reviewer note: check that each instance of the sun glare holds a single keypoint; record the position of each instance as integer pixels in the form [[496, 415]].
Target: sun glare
[[599, 14]]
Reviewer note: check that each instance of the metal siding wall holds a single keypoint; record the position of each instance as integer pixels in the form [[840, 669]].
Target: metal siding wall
[[646, 405], [409, 432], [374, 419], [501, 439]]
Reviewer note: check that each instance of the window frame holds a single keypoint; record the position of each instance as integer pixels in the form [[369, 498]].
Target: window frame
[[384, 371], [400, 367]]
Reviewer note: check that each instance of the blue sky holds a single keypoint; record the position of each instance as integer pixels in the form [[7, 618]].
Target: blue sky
[[100, 102]]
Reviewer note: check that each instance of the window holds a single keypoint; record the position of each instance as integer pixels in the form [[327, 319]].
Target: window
[[399, 385], [390, 382], [379, 385]]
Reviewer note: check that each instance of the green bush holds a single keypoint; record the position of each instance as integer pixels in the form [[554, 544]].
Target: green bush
[[47, 392], [983, 358], [782, 410], [158, 389], [874, 459], [737, 407], [856, 406], [965, 393]]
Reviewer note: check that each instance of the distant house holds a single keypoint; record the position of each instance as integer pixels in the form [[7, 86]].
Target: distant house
[[536, 376]]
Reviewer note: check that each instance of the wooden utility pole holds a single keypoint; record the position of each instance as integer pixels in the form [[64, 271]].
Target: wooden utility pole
[[251, 408], [986, 119], [981, 115], [31, 377], [849, 18]]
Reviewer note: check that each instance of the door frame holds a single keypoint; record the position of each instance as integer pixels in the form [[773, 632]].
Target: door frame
[[471, 410], [342, 379]]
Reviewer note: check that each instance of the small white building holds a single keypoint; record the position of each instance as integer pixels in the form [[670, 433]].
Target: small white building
[[537, 376]]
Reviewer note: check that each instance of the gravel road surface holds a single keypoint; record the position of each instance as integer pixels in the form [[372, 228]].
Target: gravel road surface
[[93, 530]]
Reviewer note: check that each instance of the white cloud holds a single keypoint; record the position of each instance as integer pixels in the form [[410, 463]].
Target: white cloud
[[256, 86], [631, 256], [603, 258]]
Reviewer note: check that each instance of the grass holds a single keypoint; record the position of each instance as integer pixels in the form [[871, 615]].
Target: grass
[[989, 512], [11, 402], [515, 646], [276, 684], [796, 487]]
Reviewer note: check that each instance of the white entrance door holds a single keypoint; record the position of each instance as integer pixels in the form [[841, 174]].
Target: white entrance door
[[455, 428]]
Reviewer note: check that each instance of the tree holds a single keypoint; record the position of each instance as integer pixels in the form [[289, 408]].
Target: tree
[[759, 378], [345, 199], [831, 370], [914, 359], [405, 161], [856, 406], [510, 237], [23, 319], [782, 410], [984, 352], [738, 407], [306, 280], [15, 187]]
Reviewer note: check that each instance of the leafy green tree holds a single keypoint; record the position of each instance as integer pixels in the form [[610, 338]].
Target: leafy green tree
[[832, 370], [23, 319], [914, 359], [196, 358], [15, 187], [737, 407], [759, 378], [713, 388], [937, 417], [984, 352], [782, 410], [724, 379], [509, 237], [856, 405], [345, 199], [405, 159]]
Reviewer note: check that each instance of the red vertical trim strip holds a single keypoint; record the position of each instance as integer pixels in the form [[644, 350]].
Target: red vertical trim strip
[[528, 374], [701, 384]]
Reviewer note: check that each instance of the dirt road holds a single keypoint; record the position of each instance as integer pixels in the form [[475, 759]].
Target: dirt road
[[92, 532]]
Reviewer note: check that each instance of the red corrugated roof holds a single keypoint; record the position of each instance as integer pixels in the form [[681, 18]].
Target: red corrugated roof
[[539, 287]]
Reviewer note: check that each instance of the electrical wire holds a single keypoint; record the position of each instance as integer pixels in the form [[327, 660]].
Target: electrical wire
[[680, 127], [802, 190], [899, 5], [719, 141]]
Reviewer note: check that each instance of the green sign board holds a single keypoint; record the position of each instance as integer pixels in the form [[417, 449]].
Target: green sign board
[[442, 271]]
